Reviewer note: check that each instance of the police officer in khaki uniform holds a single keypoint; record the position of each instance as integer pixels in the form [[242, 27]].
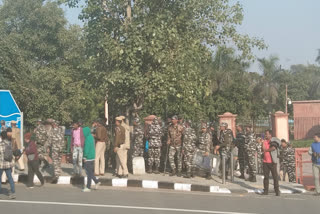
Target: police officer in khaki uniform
[[16, 142], [121, 149]]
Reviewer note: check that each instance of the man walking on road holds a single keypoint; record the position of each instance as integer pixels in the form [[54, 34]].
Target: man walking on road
[[270, 160], [56, 143], [315, 153], [88, 159], [41, 135]]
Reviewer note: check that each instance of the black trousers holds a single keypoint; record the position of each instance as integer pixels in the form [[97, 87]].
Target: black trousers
[[89, 167], [33, 168], [267, 168]]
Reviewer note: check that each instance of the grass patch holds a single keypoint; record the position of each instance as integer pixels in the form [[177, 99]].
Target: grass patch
[[302, 143]]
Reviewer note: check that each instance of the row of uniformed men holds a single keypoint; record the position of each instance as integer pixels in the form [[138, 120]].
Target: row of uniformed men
[[182, 143]]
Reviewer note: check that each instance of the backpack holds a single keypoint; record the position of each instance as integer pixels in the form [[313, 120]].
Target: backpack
[[8, 153]]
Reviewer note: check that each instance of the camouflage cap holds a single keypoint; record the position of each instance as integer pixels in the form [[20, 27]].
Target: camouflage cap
[[13, 122], [122, 117], [136, 119], [189, 122], [174, 117], [211, 124], [224, 124], [2, 121], [203, 125], [50, 121]]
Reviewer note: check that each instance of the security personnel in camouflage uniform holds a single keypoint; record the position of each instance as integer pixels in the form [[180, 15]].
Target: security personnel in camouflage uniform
[[289, 162], [154, 151], [189, 147], [250, 151], [138, 136], [205, 143], [175, 135], [259, 155], [240, 143], [41, 136], [165, 146], [226, 144], [56, 142]]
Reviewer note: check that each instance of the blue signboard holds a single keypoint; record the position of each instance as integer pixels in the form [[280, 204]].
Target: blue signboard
[[9, 109]]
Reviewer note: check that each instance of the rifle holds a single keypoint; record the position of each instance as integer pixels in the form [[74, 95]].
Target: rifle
[[165, 162]]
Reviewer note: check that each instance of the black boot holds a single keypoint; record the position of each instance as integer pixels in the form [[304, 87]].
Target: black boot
[[242, 175], [278, 193], [208, 176], [188, 175], [179, 174], [173, 172], [253, 179], [149, 170], [265, 192], [156, 171], [55, 180], [193, 172]]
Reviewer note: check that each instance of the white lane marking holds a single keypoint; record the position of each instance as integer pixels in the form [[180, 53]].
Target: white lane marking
[[119, 206]]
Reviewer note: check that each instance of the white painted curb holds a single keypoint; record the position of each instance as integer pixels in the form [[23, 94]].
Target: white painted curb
[[182, 187], [64, 180], [150, 184], [214, 189], [119, 182]]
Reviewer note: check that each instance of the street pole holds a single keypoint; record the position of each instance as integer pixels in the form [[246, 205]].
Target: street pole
[[232, 165], [286, 99], [223, 169]]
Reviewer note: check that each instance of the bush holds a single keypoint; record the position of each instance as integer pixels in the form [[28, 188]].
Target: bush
[[302, 143]]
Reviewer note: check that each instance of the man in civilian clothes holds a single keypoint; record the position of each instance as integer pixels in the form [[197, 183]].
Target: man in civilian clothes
[[88, 159], [270, 160], [77, 144], [314, 151]]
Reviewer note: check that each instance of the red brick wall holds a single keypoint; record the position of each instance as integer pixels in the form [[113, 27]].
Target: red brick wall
[[306, 118]]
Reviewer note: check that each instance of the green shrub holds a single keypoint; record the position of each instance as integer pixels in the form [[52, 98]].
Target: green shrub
[[302, 143]]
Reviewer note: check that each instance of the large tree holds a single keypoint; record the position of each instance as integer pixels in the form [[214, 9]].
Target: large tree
[[155, 52], [42, 61]]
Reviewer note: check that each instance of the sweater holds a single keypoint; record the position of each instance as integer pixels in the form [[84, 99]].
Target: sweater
[[89, 152], [315, 153], [31, 149], [81, 138]]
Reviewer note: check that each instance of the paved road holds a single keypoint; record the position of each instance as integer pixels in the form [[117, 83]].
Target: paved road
[[53, 199]]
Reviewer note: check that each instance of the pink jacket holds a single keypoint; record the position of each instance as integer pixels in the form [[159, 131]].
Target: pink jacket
[[81, 138]]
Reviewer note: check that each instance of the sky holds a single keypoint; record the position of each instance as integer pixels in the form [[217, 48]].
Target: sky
[[290, 28]]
